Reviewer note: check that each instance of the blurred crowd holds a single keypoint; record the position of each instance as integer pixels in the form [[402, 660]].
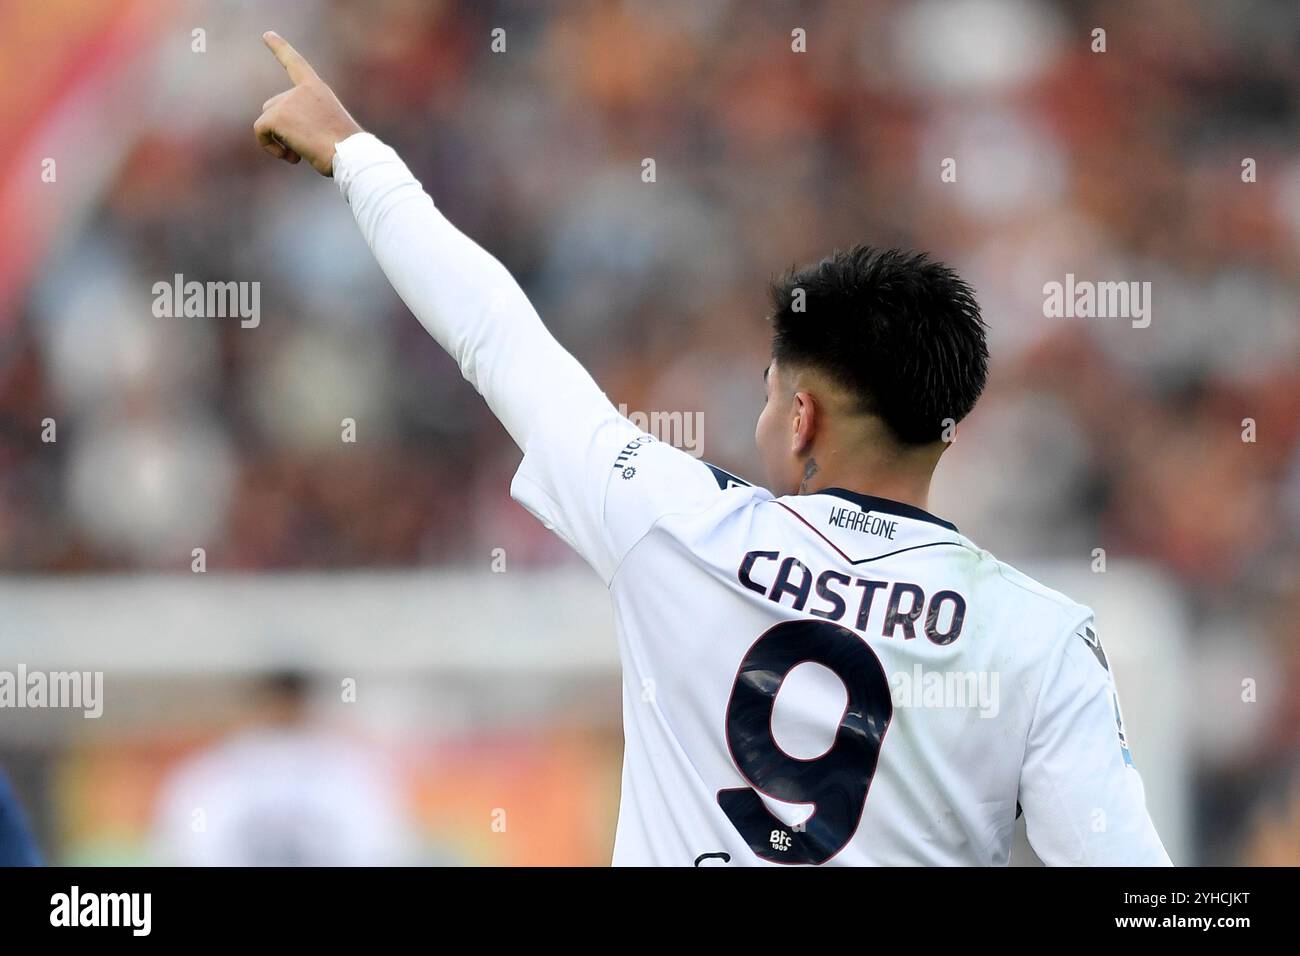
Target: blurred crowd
[[1178, 443]]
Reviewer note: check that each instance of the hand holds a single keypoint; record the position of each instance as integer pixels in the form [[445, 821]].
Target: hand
[[304, 122]]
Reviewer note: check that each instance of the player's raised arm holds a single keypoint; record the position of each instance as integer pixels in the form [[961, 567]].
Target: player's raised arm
[[572, 437], [462, 295]]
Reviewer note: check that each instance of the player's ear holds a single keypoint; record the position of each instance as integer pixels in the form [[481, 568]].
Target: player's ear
[[804, 422]]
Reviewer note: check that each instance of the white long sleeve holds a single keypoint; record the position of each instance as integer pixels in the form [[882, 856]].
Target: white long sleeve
[[1083, 799], [462, 295], [574, 441]]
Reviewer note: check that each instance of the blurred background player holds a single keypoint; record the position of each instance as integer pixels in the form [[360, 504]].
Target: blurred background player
[[282, 792]]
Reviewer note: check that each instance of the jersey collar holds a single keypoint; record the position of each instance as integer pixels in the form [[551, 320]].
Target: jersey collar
[[886, 506]]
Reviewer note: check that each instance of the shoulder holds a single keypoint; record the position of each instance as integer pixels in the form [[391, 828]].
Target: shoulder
[[676, 482], [726, 480], [1049, 611]]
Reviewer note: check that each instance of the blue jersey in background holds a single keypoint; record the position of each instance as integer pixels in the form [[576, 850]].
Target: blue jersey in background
[[17, 846]]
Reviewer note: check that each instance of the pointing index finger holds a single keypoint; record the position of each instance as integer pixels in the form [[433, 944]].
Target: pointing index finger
[[292, 61]]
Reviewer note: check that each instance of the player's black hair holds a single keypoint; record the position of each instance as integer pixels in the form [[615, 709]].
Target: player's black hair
[[901, 331], [287, 684]]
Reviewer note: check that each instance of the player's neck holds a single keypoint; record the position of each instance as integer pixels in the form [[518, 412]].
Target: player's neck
[[893, 488], [904, 478]]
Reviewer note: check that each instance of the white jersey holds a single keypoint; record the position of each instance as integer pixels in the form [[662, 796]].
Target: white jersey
[[823, 679], [281, 796]]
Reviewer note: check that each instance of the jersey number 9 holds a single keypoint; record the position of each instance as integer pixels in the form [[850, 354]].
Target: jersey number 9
[[836, 783]]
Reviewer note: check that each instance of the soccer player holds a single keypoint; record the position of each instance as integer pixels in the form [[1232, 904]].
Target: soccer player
[[819, 671], [281, 791]]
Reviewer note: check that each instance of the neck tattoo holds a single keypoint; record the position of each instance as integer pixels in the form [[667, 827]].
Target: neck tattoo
[[809, 470]]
